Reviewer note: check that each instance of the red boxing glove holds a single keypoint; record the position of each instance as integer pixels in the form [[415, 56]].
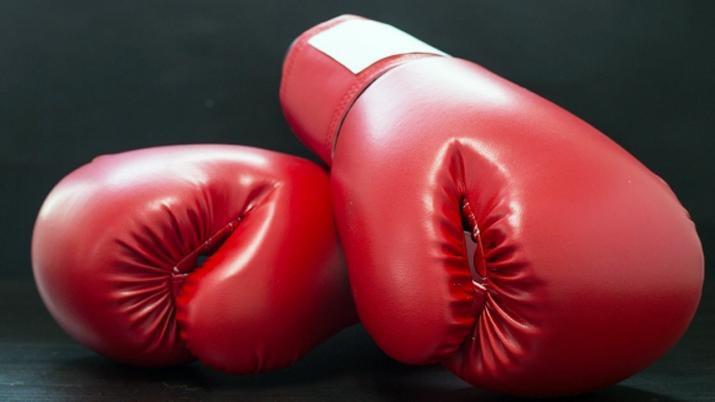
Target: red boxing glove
[[585, 268], [117, 243]]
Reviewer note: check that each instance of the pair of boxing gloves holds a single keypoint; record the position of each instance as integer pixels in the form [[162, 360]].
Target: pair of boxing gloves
[[483, 227]]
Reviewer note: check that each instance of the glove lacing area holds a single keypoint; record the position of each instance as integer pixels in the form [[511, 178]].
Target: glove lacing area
[[501, 328], [151, 282], [192, 261], [475, 254], [152, 273], [259, 197]]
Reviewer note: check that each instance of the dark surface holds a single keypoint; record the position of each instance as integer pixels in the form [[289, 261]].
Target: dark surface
[[80, 78]]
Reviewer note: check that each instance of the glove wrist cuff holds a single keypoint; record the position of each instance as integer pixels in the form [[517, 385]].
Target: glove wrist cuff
[[330, 65]]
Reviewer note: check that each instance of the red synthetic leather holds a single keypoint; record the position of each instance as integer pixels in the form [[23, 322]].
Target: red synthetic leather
[[585, 267], [117, 242]]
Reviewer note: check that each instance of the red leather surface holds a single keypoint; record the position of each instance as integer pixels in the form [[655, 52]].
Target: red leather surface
[[116, 244], [586, 266]]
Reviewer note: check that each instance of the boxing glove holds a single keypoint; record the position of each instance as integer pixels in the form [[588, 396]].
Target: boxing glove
[[223, 253], [485, 227]]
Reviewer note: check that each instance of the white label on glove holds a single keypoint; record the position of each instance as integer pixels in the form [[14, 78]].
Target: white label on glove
[[356, 44]]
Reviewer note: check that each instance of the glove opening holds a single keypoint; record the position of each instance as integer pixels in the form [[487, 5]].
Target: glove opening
[[198, 257], [475, 253]]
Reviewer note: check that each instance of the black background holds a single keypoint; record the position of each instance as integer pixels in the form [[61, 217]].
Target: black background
[[79, 79]]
